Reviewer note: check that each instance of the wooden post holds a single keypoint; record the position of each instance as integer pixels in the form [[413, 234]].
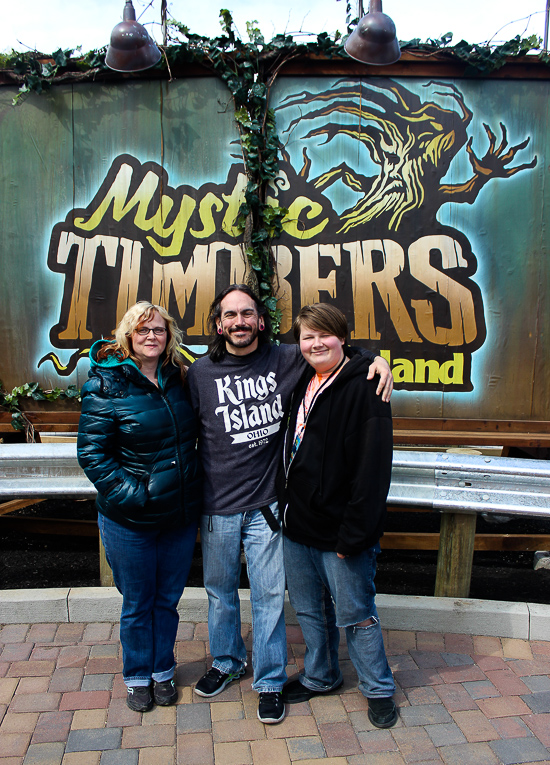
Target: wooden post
[[105, 573], [455, 556]]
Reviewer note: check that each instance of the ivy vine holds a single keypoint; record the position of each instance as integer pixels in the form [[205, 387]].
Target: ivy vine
[[479, 59], [247, 73], [12, 402], [249, 70]]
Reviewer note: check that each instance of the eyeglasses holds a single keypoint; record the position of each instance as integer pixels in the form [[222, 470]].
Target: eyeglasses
[[145, 330]]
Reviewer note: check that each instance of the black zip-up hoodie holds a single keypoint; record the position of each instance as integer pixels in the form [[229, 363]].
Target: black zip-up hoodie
[[333, 495]]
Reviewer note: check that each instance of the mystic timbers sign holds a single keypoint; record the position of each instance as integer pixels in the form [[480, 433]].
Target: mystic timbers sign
[[366, 168]]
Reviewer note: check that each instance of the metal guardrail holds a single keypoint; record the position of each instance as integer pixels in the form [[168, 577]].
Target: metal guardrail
[[462, 483], [466, 483], [42, 470], [457, 485]]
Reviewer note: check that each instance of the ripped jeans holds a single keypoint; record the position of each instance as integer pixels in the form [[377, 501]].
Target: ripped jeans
[[328, 592]]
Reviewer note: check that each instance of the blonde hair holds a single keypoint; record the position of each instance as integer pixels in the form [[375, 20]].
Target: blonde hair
[[134, 317]]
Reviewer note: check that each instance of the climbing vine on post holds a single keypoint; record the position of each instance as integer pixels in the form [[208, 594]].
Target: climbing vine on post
[[249, 70]]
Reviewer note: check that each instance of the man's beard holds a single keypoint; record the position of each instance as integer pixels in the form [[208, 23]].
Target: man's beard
[[241, 342]]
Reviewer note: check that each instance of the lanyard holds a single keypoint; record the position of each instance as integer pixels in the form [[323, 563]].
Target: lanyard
[[299, 435], [318, 391]]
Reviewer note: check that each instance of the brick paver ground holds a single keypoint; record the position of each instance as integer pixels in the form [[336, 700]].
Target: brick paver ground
[[463, 699]]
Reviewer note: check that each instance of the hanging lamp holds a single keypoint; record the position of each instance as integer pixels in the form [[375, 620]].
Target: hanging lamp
[[131, 49], [374, 39]]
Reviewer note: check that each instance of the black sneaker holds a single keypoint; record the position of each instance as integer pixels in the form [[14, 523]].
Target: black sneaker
[[382, 712], [294, 692], [165, 693], [271, 708], [215, 681], [139, 698]]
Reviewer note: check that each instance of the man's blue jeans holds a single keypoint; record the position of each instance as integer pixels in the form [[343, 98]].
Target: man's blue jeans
[[328, 592], [221, 537], [150, 569]]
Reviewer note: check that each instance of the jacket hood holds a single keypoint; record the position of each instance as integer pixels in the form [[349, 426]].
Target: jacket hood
[[127, 366], [111, 361]]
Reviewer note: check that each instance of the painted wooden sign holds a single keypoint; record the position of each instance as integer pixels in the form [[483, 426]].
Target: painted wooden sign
[[419, 206]]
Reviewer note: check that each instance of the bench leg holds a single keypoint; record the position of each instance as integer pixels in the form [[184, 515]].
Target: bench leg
[[456, 554], [105, 573]]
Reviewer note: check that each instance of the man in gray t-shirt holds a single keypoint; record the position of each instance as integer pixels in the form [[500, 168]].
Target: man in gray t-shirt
[[241, 392]]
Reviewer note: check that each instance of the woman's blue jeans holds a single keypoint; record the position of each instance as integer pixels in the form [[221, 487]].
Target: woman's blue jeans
[[328, 592], [150, 569], [221, 537]]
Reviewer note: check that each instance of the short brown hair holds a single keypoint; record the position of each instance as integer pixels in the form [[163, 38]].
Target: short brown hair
[[321, 316]]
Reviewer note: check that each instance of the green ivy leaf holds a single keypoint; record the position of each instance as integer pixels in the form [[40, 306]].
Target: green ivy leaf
[[61, 57], [17, 421]]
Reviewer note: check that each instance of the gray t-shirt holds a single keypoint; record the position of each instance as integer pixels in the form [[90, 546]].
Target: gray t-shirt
[[240, 402]]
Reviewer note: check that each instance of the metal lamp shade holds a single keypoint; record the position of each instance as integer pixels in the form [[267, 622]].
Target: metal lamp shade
[[374, 40], [131, 49]]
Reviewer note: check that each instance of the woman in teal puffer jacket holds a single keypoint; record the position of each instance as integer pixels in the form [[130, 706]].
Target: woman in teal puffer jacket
[[136, 443]]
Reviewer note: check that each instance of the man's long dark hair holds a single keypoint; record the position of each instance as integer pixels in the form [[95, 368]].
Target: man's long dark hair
[[216, 345]]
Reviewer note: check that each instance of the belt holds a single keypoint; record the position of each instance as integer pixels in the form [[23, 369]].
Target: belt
[[271, 521]]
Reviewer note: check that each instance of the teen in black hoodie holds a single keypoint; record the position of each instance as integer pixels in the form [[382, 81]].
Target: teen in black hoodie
[[332, 488]]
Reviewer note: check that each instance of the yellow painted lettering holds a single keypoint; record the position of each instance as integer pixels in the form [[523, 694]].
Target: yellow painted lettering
[[117, 195], [233, 202], [403, 371], [452, 372], [209, 203], [296, 227], [176, 230], [420, 367]]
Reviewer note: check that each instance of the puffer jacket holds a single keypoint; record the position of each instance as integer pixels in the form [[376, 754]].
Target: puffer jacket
[[333, 493], [136, 444]]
